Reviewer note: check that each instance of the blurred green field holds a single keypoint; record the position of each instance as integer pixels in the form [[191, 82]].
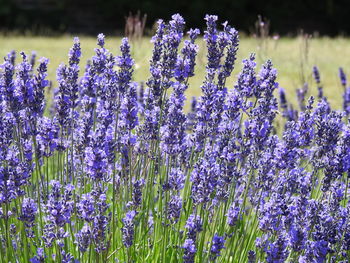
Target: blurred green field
[[293, 58]]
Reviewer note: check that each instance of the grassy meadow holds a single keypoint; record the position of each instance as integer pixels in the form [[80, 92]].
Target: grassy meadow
[[293, 58]]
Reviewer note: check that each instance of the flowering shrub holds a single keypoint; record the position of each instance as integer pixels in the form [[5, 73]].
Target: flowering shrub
[[119, 173]]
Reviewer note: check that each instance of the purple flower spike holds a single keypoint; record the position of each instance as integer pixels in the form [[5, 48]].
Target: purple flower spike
[[128, 228], [216, 247]]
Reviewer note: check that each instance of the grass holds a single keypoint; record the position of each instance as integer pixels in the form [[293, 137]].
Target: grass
[[287, 55]]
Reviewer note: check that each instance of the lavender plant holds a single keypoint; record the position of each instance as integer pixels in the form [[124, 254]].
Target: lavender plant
[[118, 171]]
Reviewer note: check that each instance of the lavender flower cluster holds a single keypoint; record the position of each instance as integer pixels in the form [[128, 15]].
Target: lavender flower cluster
[[114, 171]]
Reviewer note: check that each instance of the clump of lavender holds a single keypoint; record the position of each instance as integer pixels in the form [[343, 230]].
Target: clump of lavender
[[135, 178]]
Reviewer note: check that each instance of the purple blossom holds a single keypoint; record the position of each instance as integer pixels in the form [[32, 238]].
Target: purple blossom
[[204, 179], [67, 257], [287, 110], [101, 40], [193, 226], [101, 221], [174, 208], [24, 89], [316, 75], [125, 64], [99, 154], [15, 175], [137, 192], [316, 251], [190, 250], [251, 256], [59, 209], [191, 116], [86, 207], [39, 83], [7, 126], [92, 208], [39, 257], [141, 96], [185, 64], [154, 82], [129, 116], [75, 52], [247, 78], [27, 216], [217, 245], [176, 180], [7, 87], [83, 238], [47, 137], [301, 93], [149, 129], [277, 252], [11, 57], [342, 77], [283, 99], [173, 131], [232, 215], [171, 41], [67, 77], [211, 37], [231, 36], [297, 237], [128, 228], [346, 101]]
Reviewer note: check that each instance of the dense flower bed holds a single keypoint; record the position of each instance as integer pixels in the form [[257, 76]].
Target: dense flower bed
[[113, 172]]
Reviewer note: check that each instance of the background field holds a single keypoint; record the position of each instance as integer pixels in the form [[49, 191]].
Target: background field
[[293, 58]]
